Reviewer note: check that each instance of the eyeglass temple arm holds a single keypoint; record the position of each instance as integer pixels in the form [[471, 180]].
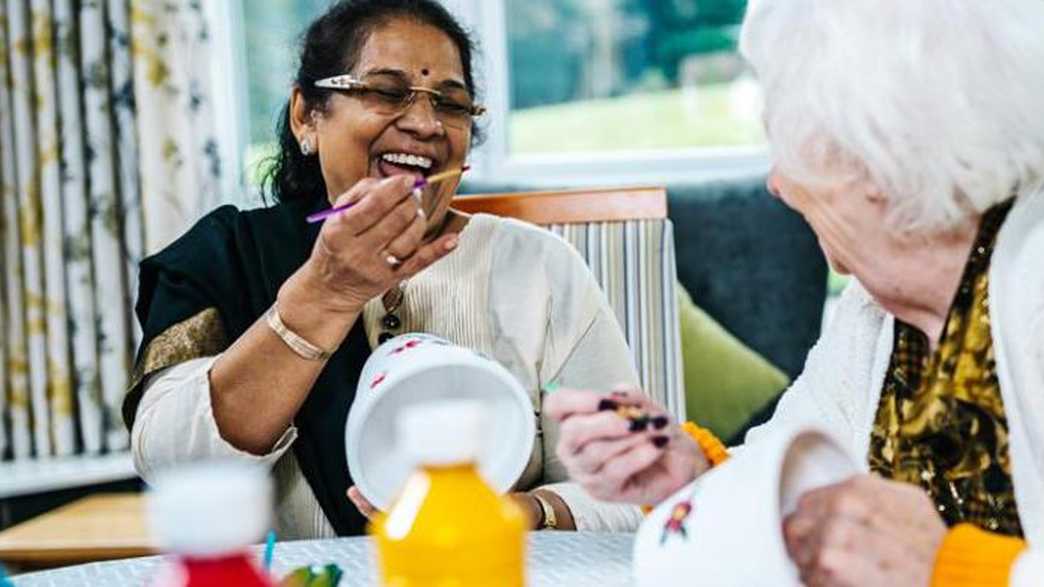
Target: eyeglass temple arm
[[338, 82]]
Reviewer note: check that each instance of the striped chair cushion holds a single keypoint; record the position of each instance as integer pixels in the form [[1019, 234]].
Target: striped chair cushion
[[634, 263]]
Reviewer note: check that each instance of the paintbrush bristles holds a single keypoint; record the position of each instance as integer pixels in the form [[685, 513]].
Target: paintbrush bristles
[[442, 176]]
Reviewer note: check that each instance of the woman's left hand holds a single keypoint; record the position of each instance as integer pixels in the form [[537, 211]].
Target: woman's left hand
[[864, 531], [365, 507], [525, 501]]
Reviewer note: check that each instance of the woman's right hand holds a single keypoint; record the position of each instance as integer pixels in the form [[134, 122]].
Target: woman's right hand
[[612, 459], [349, 265]]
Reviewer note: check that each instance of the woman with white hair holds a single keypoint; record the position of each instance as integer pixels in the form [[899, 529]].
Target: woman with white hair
[[910, 135]]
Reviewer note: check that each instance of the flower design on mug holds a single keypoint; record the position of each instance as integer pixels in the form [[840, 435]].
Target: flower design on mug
[[378, 380], [409, 344], [676, 521]]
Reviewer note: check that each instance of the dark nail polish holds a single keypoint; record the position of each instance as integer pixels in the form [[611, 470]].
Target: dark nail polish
[[660, 422], [607, 405], [660, 441], [639, 424]]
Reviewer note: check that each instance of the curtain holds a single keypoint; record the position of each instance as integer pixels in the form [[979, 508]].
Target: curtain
[[181, 163], [104, 157]]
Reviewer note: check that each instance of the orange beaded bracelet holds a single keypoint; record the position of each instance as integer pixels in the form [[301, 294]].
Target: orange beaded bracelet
[[712, 448]]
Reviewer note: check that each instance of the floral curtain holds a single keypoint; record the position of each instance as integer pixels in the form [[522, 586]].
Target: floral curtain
[[104, 157], [181, 163]]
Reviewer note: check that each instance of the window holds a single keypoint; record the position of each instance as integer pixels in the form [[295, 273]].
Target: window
[[579, 91], [271, 31], [615, 91], [606, 75]]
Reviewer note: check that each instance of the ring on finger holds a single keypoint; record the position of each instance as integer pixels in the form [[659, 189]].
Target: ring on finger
[[392, 260]]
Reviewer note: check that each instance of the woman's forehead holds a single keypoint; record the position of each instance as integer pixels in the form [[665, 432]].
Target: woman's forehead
[[422, 52]]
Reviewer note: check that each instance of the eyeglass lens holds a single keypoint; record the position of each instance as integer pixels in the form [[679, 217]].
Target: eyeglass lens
[[390, 97]]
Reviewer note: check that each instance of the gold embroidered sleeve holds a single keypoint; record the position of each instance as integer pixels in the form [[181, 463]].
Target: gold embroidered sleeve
[[202, 335]]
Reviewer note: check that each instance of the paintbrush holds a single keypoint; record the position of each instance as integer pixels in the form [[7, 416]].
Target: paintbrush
[[418, 185], [270, 541]]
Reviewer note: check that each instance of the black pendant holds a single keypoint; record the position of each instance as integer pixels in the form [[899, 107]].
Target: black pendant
[[391, 322], [384, 337]]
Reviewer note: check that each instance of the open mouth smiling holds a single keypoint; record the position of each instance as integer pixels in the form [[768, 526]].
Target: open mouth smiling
[[392, 163]]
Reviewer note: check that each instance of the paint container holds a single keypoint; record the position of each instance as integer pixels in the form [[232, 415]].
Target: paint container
[[448, 526], [207, 515]]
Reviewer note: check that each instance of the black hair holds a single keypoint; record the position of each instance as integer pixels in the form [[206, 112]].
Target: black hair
[[330, 46]]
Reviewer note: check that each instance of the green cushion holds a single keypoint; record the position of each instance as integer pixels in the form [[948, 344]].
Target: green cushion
[[726, 383]]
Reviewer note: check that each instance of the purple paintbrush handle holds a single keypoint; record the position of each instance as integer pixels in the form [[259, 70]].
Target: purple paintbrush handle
[[320, 216], [323, 215]]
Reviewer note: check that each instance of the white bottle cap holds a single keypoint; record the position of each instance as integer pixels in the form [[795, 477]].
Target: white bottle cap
[[442, 432], [210, 508]]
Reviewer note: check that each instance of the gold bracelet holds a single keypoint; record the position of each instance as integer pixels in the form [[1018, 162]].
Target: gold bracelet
[[550, 521], [299, 345]]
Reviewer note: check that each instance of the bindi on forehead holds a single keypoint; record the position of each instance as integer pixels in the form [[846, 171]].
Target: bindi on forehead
[[425, 72]]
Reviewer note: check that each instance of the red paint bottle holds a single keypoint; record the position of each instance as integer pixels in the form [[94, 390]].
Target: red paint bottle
[[206, 516]]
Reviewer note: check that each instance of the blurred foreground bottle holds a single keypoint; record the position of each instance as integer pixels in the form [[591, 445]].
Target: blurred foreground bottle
[[207, 515], [448, 527]]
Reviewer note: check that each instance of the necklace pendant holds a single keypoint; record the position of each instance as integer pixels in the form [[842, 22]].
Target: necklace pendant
[[393, 299], [391, 322]]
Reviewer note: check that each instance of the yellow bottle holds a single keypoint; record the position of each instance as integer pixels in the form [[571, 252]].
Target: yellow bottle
[[448, 528]]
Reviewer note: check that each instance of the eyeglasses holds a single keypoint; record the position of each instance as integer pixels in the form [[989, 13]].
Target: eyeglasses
[[389, 96]]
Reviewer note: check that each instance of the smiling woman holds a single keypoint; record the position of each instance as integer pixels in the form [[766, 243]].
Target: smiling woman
[[257, 323]]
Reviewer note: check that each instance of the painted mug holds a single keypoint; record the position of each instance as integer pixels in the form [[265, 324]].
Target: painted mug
[[726, 528], [418, 368]]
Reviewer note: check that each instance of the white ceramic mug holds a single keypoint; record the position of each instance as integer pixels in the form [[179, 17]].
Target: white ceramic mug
[[417, 368], [726, 528]]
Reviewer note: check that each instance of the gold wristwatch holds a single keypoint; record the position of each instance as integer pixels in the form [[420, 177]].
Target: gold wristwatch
[[549, 520]]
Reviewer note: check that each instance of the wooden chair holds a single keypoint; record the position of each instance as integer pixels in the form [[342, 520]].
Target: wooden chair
[[571, 206], [628, 242]]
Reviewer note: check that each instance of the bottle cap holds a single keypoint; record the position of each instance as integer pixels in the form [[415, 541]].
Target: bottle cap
[[442, 432], [210, 508]]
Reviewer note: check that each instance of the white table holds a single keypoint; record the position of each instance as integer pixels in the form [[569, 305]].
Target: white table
[[554, 559]]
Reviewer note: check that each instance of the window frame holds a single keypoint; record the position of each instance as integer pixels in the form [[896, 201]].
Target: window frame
[[230, 107], [493, 161]]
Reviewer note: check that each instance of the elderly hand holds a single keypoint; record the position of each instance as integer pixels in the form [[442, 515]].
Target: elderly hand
[[374, 245], [864, 531], [616, 459]]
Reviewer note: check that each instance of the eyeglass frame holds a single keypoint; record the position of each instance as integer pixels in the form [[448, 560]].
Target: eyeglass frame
[[347, 81]]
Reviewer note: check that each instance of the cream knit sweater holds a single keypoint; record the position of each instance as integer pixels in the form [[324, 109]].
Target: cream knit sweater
[[840, 386]]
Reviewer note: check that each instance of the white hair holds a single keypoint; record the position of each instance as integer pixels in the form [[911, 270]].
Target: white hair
[[939, 103]]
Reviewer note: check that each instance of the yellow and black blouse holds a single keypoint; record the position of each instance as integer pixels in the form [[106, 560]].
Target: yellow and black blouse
[[940, 423]]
